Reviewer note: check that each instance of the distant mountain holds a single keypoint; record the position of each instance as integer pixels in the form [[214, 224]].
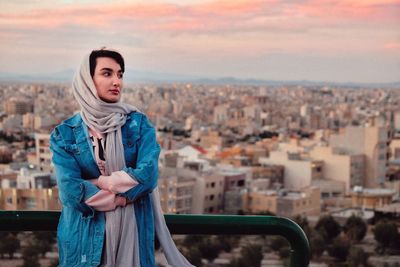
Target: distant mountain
[[136, 76], [62, 76], [232, 80]]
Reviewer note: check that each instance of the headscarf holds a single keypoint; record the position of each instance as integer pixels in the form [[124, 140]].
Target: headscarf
[[103, 117]]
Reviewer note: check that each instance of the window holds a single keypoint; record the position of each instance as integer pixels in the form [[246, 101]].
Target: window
[[31, 203], [324, 195], [212, 185], [212, 197]]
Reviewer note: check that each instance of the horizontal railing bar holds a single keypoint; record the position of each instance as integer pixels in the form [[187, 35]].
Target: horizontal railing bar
[[185, 224]]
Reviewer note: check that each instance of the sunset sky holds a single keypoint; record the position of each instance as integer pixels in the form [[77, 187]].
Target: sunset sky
[[315, 40]]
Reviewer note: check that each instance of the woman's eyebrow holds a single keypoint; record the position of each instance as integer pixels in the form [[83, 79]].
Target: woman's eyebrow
[[109, 69]]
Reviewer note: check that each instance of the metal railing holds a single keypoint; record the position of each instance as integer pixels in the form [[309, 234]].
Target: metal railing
[[186, 224]]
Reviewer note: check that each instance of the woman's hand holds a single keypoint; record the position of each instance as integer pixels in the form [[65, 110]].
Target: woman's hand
[[117, 182]]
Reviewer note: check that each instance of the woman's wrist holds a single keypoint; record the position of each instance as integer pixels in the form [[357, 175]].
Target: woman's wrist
[[117, 182], [103, 182], [120, 201]]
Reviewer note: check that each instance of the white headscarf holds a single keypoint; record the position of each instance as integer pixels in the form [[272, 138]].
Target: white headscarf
[[103, 117]]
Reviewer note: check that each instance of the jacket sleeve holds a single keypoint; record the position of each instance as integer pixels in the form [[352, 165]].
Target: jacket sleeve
[[146, 171], [105, 201], [73, 189]]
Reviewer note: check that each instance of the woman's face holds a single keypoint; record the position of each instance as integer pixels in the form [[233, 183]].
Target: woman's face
[[108, 79]]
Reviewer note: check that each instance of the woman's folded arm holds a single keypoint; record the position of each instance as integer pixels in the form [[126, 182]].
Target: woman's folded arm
[[105, 201]]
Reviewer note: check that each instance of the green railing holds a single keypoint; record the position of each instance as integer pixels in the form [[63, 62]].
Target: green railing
[[186, 224]]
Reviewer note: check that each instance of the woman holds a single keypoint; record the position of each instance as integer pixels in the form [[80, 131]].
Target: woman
[[106, 163]]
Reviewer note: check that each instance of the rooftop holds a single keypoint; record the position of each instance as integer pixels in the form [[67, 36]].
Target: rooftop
[[373, 191]]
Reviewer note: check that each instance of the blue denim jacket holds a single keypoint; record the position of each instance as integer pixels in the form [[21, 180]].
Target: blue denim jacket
[[80, 233]]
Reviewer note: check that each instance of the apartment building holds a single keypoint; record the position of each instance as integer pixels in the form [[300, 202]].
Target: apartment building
[[29, 199], [43, 153], [299, 170], [371, 198], [176, 194], [208, 194], [286, 203], [20, 107], [306, 202], [371, 141], [339, 165]]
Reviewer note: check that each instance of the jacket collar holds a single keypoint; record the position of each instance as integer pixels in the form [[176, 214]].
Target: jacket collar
[[76, 120]]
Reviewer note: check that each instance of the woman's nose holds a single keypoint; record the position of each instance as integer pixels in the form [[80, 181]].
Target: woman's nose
[[116, 81]]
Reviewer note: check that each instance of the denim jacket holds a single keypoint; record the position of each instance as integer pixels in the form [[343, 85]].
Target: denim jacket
[[80, 232]]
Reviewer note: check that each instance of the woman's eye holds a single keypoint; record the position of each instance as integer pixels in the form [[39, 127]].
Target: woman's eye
[[120, 75], [106, 74]]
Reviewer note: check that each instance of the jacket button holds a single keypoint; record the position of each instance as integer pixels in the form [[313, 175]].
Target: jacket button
[[130, 143]]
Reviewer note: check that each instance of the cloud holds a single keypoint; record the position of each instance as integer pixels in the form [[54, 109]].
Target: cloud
[[392, 46], [350, 13], [209, 17]]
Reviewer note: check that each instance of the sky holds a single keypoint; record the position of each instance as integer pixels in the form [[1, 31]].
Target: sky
[[314, 40]]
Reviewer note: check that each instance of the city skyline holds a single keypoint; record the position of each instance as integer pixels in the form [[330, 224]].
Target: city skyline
[[334, 41]]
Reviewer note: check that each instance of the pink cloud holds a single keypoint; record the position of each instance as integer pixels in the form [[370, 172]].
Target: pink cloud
[[209, 17], [392, 47], [350, 10]]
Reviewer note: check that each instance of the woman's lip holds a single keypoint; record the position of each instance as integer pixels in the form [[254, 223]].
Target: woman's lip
[[115, 91]]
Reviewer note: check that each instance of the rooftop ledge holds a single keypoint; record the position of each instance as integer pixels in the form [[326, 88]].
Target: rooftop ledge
[[186, 224]]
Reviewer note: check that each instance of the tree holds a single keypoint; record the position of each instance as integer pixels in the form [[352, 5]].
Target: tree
[[278, 243], [54, 263], [339, 249], [355, 228], [3, 235], [193, 240], [385, 234], [302, 221], [193, 255], [43, 241], [328, 228], [227, 242], [9, 244], [284, 252], [30, 256], [252, 255], [210, 249], [357, 257], [237, 262], [317, 245]]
